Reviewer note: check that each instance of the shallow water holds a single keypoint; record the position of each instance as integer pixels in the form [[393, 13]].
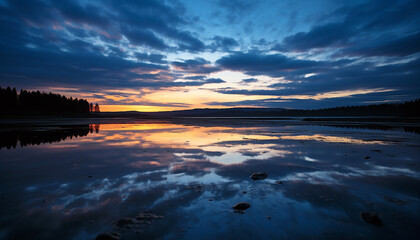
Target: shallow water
[[77, 181]]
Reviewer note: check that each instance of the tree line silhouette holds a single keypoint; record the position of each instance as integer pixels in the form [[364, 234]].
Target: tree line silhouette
[[35, 102], [404, 109]]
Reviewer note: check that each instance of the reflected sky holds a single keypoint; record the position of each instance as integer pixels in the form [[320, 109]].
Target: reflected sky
[[79, 182]]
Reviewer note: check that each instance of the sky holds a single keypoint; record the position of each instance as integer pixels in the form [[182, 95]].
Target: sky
[[146, 55]]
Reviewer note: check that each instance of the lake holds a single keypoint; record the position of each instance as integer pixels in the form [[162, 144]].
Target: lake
[[179, 179]]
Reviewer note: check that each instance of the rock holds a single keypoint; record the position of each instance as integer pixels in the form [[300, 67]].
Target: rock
[[239, 211], [241, 206], [372, 218], [395, 200], [244, 192], [367, 157], [259, 176], [197, 188], [90, 176], [147, 217], [376, 150], [210, 199], [108, 236], [269, 217], [278, 182], [124, 222]]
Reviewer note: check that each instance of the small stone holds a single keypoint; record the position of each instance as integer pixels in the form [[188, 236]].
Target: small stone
[[211, 199], [367, 157], [239, 211], [124, 222], [244, 192], [372, 218], [259, 176], [90, 176], [395, 200], [108, 236], [269, 217], [278, 182], [241, 206]]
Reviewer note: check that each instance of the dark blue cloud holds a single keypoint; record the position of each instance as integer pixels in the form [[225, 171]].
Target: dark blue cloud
[[140, 36], [249, 80], [154, 58], [197, 66], [399, 47], [352, 76], [366, 24], [223, 44], [214, 80], [144, 23], [254, 63]]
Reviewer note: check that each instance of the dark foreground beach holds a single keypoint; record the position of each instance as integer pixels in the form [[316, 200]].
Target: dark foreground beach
[[180, 178]]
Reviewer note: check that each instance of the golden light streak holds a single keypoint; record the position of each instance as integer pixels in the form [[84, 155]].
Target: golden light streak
[[331, 139], [139, 108], [338, 94]]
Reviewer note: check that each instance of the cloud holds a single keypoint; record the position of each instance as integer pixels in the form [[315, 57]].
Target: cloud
[[139, 36], [348, 77], [249, 80], [397, 47], [143, 23], [214, 80], [154, 58], [322, 36], [224, 44], [197, 66], [254, 63], [363, 25]]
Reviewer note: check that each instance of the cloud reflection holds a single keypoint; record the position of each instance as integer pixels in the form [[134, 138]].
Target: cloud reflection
[[175, 169]]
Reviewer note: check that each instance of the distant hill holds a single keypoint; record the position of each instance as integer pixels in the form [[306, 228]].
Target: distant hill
[[228, 112], [406, 109]]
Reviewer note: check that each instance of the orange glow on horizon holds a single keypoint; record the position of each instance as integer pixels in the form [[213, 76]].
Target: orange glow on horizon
[[139, 108], [144, 108]]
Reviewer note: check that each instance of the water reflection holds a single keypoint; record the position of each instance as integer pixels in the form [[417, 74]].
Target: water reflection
[[93, 175], [11, 138]]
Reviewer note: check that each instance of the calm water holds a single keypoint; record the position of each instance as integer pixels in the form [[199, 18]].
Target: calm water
[[78, 181]]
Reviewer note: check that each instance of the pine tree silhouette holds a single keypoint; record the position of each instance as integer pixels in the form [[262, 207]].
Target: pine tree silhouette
[[31, 102]]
